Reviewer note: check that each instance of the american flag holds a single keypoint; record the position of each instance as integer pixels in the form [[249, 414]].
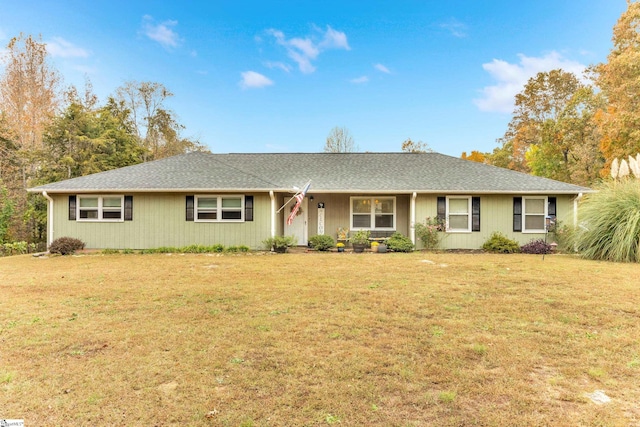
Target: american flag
[[299, 198]]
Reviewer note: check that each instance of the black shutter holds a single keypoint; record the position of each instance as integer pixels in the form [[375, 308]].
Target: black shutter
[[248, 208], [475, 214], [551, 207], [72, 208], [442, 209], [128, 208], [189, 208], [517, 214]]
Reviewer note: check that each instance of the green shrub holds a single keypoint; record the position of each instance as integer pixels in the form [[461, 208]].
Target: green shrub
[[398, 242], [280, 242], [499, 243], [110, 251], [17, 248], [610, 223], [429, 232], [65, 246], [322, 242], [234, 249], [360, 237], [564, 237]]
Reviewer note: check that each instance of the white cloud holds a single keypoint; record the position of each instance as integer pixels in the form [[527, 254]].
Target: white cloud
[[60, 48], [305, 50], [252, 80], [334, 40], [280, 65], [382, 68], [455, 27], [511, 78], [162, 32], [360, 80]]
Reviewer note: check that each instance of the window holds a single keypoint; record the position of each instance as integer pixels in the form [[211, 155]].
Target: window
[[219, 208], [373, 213], [100, 208], [534, 214], [459, 214]]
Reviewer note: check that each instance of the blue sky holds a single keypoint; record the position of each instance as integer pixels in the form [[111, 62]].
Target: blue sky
[[277, 76]]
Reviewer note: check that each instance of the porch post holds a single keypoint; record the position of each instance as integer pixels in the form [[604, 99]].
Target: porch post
[[412, 226], [273, 213]]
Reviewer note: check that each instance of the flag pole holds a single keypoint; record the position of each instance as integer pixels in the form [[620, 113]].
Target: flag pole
[[294, 196]]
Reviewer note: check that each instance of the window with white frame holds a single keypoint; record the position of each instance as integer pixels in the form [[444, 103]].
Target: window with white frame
[[373, 213], [219, 208], [459, 214], [534, 214], [100, 208]]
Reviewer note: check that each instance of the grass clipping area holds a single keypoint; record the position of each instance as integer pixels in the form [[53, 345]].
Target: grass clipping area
[[318, 339]]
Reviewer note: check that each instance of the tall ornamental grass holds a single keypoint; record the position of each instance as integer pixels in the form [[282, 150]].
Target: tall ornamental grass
[[610, 223]]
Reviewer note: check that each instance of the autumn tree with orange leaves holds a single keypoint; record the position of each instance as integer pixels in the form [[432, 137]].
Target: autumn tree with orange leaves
[[619, 80]]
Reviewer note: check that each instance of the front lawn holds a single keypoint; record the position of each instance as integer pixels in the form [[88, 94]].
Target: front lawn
[[319, 339]]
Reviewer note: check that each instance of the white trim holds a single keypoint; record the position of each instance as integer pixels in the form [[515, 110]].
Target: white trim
[[219, 209], [544, 216], [100, 208], [50, 219], [372, 213], [469, 214]]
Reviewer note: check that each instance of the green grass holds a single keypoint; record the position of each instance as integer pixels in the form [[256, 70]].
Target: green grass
[[315, 339]]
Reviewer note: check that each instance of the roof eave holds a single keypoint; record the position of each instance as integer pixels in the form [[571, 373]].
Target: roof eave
[[289, 190]]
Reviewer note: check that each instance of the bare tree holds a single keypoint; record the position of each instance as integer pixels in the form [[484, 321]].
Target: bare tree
[[340, 140], [29, 97], [156, 126]]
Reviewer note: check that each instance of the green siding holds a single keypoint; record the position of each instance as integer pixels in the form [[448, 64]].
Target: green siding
[[496, 214], [159, 220]]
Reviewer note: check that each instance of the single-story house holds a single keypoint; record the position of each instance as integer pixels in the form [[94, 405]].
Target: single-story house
[[235, 199]]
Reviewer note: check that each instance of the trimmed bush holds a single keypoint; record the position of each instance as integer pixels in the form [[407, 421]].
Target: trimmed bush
[[538, 246], [66, 246], [398, 242], [499, 243], [322, 242], [610, 223]]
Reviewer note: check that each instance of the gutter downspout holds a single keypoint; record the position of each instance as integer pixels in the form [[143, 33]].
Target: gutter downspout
[[49, 219], [412, 226], [575, 209], [273, 213]]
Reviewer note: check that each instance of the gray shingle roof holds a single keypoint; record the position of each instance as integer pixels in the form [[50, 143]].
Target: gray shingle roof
[[328, 172]]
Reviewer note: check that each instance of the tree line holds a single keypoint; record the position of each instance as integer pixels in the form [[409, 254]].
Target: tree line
[[49, 132], [569, 127]]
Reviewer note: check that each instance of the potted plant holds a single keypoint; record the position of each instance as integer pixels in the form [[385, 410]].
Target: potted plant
[[280, 244], [340, 247], [374, 246], [360, 240]]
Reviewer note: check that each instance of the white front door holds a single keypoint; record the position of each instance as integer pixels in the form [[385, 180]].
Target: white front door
[[298, 227]]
